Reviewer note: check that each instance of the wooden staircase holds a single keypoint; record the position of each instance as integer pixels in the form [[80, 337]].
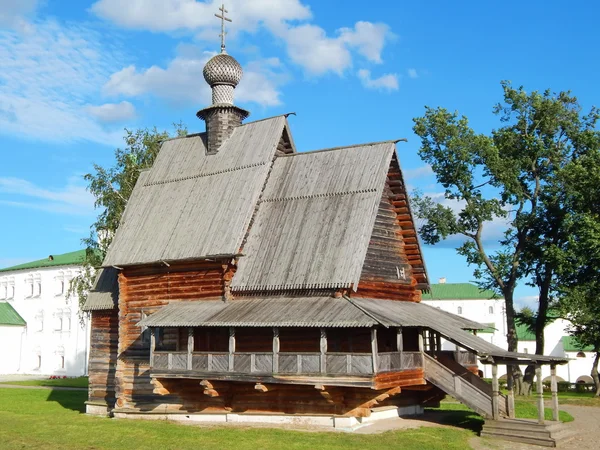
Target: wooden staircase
[[549, 434], [465, 386]]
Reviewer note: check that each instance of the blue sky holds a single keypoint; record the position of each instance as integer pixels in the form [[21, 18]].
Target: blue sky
[[75, 73]]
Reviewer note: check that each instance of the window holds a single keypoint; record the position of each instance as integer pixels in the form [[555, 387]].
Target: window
[[525, 350], [39, 320], [39, 361], [62, 362], [491, 310], [459, 311], [29, 286], [60, 283]]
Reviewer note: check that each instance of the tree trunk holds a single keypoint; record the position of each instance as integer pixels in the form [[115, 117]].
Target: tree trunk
[[594, 374], [540, 324], [513, 373]]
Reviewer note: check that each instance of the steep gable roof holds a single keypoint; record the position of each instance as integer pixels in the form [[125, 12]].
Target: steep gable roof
[[105, 293], [191, 205], [314, 220]]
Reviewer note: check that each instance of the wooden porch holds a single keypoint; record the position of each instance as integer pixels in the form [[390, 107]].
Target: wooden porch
[[342, 358]]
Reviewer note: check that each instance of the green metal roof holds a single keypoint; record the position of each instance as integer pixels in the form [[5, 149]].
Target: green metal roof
[[523, 333], [457, 291], [490, 328], [10, 317], [570, 344], [66, 259]]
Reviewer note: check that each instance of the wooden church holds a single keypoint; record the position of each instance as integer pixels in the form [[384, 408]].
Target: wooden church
[[251, 282]]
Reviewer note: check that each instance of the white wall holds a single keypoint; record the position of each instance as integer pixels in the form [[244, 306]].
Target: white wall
[[53, 333], [10, 354], [478, 310]]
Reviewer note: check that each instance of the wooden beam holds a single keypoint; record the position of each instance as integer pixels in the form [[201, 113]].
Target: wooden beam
[[374, 350], [211, 393], [190, 348], [206, 384], [540, 393], [152, 345], [261, 387], [231, 347], [323, 346], [495, 393], [275, 350], [554, 390]]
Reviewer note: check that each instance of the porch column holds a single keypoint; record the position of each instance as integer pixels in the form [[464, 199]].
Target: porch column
[[420, 337], [190, 348], [495, 393], [540, 393], [554, 389], [275, 349], [231, 347], [399, 342], [152, 345], [323, 347], [374, 348], [431, 339], [438, 342]]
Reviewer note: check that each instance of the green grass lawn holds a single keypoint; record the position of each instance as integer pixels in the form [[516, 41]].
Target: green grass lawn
[[48, 419], [80, 382]]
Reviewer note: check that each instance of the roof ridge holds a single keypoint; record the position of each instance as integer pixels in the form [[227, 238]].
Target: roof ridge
[[366, 144]]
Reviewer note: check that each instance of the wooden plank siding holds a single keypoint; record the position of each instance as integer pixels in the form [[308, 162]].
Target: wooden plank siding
[[227, 396], [144, 290], [388, 271], [103, 357]]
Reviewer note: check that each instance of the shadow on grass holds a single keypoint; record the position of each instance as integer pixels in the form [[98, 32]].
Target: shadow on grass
[[468, 420], [73, 400]]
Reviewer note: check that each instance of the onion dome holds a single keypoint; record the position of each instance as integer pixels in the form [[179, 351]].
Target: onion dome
[[222, 69]]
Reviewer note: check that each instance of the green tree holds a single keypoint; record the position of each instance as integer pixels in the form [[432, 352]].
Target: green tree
[[579, 277], [112, 186], [507, 175]]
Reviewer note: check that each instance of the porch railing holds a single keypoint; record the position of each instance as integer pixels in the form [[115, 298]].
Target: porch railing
[[285, 362]]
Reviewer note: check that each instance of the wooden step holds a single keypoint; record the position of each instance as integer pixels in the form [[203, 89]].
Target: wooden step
[[525, 440], [528, 431]]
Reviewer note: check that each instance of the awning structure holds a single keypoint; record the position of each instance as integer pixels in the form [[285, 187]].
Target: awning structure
[[105, 293], [343, 312]]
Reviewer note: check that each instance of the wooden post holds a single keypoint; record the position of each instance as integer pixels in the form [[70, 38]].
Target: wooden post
[[495, 393], [431, 341], [399, 340], [190, 348], [540, 393], [438, 342], [231, 348], [323, 350], [374, 348], [152, 345], [510, 398], [420, 337], [554, 389], [275, 350]]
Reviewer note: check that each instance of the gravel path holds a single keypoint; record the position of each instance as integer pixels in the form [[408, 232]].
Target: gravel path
[[586, 426]]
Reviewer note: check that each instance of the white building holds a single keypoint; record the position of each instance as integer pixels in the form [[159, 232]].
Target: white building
[[465, 299], [53, 339]]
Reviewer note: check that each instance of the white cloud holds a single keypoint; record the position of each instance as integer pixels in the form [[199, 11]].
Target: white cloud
[[50, 71], [418, 172], [173, 15], [71, 199], [112, 112], [181, 81], [368, 38], [412, 73], [12, 11], [387, 82], [307, 45]]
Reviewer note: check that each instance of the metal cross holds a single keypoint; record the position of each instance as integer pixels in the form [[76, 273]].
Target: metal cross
[[223, 19]]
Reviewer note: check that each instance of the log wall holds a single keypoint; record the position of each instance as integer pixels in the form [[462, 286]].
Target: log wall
[[387, 271], [191, 396], [142, 291], [103, 357]]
